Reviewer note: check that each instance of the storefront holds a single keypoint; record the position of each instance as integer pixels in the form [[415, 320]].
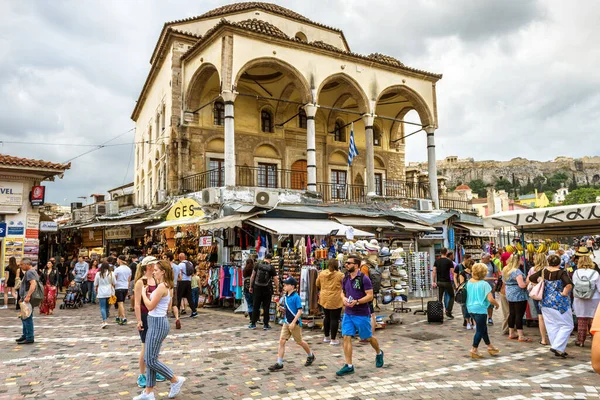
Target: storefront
[[472, 240]]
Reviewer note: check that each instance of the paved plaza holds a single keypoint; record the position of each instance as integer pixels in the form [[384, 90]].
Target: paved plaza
[[73, 358]]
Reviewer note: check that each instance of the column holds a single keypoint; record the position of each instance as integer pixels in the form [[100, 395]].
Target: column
[[370, 154], [229, 97], [432, 167], [311, 147]]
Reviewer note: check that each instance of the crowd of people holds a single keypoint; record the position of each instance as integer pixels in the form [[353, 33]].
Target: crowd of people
[[560, 288]]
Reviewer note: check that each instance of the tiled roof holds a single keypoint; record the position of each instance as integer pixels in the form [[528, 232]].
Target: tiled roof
[[12, 161], [463, 187], [263, 27], [385, 59], [251, 5], [268, 29]]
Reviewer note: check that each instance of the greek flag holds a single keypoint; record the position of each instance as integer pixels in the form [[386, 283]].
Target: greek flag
[[352, 150]]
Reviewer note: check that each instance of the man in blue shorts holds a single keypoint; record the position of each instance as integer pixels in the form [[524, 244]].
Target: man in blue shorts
[[357, 292]]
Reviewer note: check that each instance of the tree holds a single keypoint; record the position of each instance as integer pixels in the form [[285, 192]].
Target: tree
[[582, 196], [504, 184], [556, 181], [539, 182], [528, 188], [573, 184], [478, 186]]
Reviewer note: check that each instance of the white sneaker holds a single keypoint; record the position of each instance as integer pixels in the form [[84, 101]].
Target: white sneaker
[[176, 387], [144, 396], [104, 325], [469, 327], [335, 343], [3, 307], [326, 340]]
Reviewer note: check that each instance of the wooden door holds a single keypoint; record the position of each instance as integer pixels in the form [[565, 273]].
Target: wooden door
[[299, 176]]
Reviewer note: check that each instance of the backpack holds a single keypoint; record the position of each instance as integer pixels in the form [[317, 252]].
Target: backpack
[[461, 293], [263, 275], [189, 268], [584, 288], [38, 294], [375, 276]]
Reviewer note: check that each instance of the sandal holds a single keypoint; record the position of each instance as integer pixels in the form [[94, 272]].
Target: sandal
[[561, 355], [513, 338], [544, 344], [524, 339], [476, 355], [493, 351]]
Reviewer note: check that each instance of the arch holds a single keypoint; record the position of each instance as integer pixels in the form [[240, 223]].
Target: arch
[[301, 36], [338, 157], [216, 145], [417, 102], [266, 150], [397, 129], [290, 72], [358, 180], [198, 84], [379, 163], [354, 88]]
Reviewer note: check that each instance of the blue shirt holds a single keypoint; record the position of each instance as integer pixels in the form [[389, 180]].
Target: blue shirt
[[292, 304], [513, 291], [477, 301]]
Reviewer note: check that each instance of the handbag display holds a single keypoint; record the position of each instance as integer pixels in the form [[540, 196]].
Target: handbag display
[[537, 292]]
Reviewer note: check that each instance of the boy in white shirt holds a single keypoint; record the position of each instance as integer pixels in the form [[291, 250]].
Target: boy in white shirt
[[122, 277]]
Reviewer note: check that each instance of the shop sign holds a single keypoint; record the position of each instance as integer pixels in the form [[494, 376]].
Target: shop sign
[[13, 247], [117, 232], [451, 238], [2, 229], [32, 233], [438, 234], [11, 193], [185, 208], [38, 194], [205, 241], [32, 221], [48, 226]]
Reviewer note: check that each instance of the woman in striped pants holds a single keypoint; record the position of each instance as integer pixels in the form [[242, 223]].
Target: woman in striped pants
[[158, 329]]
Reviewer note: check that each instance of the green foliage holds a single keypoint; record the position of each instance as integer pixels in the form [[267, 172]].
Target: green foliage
[[477, 186], [504, 184], [582, 196]]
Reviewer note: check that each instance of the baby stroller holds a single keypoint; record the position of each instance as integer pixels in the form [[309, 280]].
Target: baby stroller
[[73, 297]]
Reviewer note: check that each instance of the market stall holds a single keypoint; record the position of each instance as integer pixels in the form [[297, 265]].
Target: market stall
[[471, 239]]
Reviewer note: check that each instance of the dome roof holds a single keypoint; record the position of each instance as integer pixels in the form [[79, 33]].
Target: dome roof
[[463, 187]]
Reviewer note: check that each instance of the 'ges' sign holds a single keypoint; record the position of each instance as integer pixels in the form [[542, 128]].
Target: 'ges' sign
[[185, 208]]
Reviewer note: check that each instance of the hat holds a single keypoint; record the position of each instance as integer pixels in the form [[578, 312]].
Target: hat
[[374, 242], [583, 251], [372, 247], [149, 260], [385, 252], [396, 254], [291, 281]]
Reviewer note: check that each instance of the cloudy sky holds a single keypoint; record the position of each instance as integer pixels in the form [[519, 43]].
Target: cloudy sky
[[521, 78]]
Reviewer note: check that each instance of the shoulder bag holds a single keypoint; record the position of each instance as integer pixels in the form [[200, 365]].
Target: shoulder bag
[[537, 292]]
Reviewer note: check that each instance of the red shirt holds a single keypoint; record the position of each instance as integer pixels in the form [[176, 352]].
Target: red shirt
[[91, 276]]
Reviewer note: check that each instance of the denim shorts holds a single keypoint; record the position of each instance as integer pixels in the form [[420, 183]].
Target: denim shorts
[[360, 323]]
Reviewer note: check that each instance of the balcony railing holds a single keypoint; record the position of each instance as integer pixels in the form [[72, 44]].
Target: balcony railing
[[404, 190], [342, 193], [203, 180], [269, 176], [455, 204]]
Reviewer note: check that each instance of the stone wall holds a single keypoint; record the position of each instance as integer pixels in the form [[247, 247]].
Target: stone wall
[[586, 170]]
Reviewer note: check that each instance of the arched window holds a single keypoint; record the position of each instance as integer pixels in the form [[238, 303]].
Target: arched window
[[339, 133], [301, 37], [376, 136], [301, 118], [164, 116], [219, 112], [266, 121]]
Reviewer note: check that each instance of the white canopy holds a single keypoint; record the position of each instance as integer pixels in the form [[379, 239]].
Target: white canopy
[[578, 219], [289, 226]]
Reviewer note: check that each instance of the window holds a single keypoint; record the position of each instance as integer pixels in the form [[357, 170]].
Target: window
[[157, 125], [219, 112], [301, 118], [338, 184], [379, 184], [267, 175], [339, 133], [164, 117], [266, 121], [216, 173], [149, 136], [376, 136], [301, 37]]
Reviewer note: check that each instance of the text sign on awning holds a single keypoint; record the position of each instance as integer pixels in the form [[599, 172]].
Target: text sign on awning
[[552, 215]]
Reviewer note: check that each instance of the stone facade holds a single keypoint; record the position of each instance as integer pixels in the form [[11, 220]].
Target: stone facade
[[586, 170]]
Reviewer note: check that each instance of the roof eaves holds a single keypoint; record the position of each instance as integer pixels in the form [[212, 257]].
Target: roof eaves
[[325, 47]]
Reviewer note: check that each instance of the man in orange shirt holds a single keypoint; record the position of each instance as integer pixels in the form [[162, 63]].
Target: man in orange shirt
[[596, 341]]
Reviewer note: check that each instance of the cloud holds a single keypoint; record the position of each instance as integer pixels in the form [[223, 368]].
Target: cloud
[[520, 76]]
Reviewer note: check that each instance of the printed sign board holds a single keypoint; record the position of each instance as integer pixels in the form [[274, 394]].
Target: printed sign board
[[11, 193], [117, 232], [205, 241]]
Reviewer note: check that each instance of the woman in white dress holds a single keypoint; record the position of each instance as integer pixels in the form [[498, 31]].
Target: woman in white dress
[[585, 276]]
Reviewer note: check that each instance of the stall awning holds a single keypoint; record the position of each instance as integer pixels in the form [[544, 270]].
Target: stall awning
[[578, 219], [229, 221], [413, 227], [477, 231], [365, 221], [289, 226], [100, 224], [177, 222]]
